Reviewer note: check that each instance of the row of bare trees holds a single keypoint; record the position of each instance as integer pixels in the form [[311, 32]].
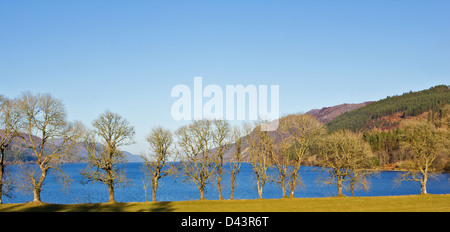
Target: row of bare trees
[[200, 146], [347, 158], [39, 124]]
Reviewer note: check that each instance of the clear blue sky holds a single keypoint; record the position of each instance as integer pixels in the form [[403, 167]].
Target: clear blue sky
[[125, 56]]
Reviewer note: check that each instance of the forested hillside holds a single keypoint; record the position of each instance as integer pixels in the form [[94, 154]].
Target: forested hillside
[[408, 104]]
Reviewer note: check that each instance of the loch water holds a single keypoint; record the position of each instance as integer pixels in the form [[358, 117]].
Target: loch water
[[177, 189]]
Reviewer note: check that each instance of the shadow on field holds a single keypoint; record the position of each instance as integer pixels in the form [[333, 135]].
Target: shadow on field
[[164, 206]]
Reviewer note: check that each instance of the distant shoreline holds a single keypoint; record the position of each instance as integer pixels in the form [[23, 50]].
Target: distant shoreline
[[377, 169]]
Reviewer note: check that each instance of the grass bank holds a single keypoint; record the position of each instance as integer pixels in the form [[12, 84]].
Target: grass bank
[[411, 203]]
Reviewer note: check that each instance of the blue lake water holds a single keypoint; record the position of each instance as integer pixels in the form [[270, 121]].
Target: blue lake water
[[175, 189]]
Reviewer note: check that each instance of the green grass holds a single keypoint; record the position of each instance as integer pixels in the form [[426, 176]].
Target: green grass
[[412, 203]]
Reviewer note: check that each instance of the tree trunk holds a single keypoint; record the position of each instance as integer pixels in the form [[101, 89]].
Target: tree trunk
[[260, 189], [1, 187], [2, 169], [154, 195], [202, 194], [38, 187], [423, 185], [37, 192], [232, 191], [154, 188], [110, 183], [292, 186], [219, 186], [111, 193], [219, 177], [339, 185], [283, 187], [37, 195]]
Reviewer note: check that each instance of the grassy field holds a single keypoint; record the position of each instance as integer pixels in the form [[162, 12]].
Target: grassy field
[[413, 203]]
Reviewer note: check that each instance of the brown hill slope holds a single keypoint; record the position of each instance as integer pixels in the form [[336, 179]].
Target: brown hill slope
[[324, 115], [327, 114]]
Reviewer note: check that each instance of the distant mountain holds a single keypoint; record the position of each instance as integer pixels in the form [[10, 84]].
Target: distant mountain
[[18, 151], [132, 157], [327, 114]]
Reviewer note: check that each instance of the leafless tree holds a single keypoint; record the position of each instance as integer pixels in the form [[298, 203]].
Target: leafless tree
[[280, 158], [106, 161], [359, 178], [46, 131], [344, 152], [9, 121], [195, 142], [145, 186], [160, 141], [303, 130], [221, 138], [236, 160], [260, 149], [423, 142]]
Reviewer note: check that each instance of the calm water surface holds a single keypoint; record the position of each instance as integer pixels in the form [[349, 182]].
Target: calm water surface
[[175, 189]]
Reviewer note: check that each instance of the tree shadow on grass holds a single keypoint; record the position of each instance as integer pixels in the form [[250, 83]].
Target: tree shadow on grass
[[164, 206]]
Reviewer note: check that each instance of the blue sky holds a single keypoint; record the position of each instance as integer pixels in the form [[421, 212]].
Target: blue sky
[[126, 56]]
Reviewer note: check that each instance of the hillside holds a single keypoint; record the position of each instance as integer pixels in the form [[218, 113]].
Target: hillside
[[403, 106], [385, 115], [327, 114]]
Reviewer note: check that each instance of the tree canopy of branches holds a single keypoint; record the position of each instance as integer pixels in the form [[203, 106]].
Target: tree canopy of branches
[[344, 154], [46, 131], [296, 134], [9, 120], [260, 150], [221, 132], [237, 137], [195, 142], [106, 161], [423, 142], [160, 141]]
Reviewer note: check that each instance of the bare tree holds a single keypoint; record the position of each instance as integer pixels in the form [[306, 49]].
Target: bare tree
[[160, 141], [423, 142], [260, 149], [236, 159], [280, 158], [9, 121], [343, 152], [106, 161], [196, 143], [145, 186], [221, 136], [359, 178], [48, 134], [295, 135], [304, 130]]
